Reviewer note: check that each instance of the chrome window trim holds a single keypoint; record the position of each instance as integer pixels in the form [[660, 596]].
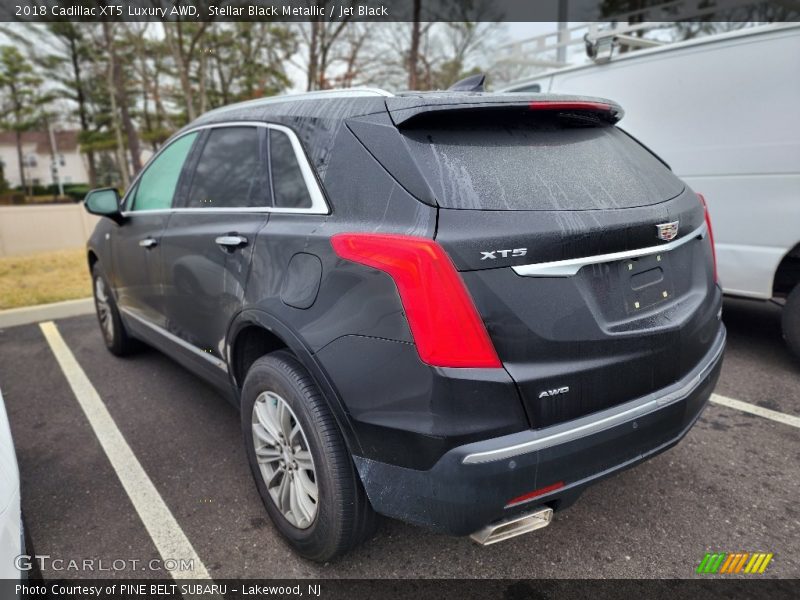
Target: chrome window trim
[[569, 267], [319, 206], [217, 362], [598, 422]]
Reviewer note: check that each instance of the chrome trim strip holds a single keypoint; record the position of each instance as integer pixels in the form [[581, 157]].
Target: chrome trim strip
[[591, 424], [569, 267], [319, 205], [220, 364]]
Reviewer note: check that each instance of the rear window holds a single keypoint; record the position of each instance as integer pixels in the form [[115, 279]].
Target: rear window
[[528, 161]]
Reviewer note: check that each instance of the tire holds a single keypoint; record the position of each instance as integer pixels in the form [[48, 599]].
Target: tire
[[278, 390], [790, 321], [115, 337]]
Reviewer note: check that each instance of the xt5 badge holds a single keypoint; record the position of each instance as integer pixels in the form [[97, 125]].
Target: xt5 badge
[[493, 254]]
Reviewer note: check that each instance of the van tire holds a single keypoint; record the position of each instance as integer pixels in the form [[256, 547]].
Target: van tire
[[790, 321], [344, 517]]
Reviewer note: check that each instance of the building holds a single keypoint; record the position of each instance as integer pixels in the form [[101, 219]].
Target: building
[[37, 158]]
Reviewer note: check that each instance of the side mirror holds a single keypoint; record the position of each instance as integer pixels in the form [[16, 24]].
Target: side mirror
[[104, 202]]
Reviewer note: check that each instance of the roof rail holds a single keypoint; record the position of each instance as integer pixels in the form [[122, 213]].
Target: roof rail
[[315, 95]]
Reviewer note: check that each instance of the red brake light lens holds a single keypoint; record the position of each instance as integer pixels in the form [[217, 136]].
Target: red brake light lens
[[572, 105], [710, 235], [446, 326]]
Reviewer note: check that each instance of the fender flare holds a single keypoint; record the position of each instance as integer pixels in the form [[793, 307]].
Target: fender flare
[[256, 317]]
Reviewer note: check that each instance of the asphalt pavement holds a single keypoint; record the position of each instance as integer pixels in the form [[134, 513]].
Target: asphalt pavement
[[731, 485]]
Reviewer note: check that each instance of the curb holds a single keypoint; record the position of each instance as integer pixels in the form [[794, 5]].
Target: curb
[[46, 312]]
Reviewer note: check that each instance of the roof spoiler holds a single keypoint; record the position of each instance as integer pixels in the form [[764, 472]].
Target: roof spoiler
[[405, 109]]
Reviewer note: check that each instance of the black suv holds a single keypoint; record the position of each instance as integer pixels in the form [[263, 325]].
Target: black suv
[[455, 309]]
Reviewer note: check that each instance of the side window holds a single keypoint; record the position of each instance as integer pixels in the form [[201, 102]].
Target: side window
[[289, 189], [157, 184], [230, 172]]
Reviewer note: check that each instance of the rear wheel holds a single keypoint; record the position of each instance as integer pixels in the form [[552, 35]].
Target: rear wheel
[[301, 465], [114, 335], [790, 321]]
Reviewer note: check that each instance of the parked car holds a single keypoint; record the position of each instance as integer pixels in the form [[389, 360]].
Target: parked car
[[715, 109], [11, 534], [453, 309]]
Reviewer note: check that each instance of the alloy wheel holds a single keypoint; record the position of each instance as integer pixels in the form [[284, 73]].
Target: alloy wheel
[[285, 460]]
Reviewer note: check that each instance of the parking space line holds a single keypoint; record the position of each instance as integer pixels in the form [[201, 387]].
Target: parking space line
[[167, 535], [753, 409]]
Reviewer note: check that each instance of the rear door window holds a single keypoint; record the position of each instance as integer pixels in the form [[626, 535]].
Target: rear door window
[[231, 170], [536, 162]]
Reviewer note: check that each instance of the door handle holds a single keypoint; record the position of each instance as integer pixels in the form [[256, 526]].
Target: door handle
[[231, 241], [148, 243]]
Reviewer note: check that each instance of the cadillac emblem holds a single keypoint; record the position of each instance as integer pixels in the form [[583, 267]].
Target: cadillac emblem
[[667, 231]]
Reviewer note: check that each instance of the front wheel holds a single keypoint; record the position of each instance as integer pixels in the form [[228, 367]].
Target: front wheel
[[790, 321], [114, 335], [301, 465]]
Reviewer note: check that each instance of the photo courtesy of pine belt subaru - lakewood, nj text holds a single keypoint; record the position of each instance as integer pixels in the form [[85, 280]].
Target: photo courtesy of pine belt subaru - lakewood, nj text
[[456, 309]]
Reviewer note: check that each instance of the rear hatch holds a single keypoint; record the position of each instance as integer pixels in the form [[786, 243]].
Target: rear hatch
[[523, 186]]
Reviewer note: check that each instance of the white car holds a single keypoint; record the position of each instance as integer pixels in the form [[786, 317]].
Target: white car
[[722, 111], [11, 542]]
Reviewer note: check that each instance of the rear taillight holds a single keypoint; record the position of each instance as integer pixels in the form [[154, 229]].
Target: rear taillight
[[446, 326], [710, 235]]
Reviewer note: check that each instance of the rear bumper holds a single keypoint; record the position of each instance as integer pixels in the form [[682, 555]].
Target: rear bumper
[[472, 485]]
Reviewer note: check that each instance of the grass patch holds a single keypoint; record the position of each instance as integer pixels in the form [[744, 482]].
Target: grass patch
[[44, 277]]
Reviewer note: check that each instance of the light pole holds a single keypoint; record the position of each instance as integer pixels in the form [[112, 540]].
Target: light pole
[[54, 159]]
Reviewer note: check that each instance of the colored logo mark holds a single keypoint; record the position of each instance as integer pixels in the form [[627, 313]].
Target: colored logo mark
[[734, 562]]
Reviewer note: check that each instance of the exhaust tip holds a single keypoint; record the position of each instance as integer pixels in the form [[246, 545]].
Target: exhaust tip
[[505, 530]]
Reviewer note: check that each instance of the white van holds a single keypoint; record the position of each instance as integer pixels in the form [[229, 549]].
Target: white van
[[724, 112]]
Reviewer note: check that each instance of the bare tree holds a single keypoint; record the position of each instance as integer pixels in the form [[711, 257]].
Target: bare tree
[[446, 52], [149, 67], [359, 58], [319, 39], [111, 82], [246, 60], [184, 42], [413, 54]]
